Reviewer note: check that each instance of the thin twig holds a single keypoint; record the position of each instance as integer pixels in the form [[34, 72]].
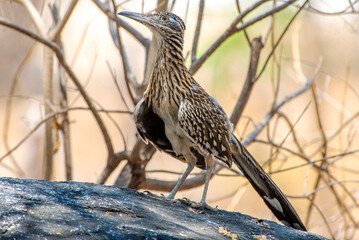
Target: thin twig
[[106, 9], [197, 31], [294, 135], [35, 16], [89, 76], [53, 114], [225, 35], [48, 100], [56, 31], [114, 78], [269, 115], [167, 186], [72, 75], [244, 30], [8, 106], [323, 150], [256, 48], [281, 37], [129, 76], [342, 12]]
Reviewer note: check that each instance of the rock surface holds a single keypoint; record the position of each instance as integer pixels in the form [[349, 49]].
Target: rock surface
[[37, 209]]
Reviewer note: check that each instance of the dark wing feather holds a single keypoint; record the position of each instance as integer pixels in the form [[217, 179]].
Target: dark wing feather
[[151, 128]]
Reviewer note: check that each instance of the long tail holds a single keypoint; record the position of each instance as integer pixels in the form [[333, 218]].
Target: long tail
[[265, 187]]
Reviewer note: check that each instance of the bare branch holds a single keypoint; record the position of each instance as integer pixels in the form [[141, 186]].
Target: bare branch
[[51, 115], [345, 11], [269, 115], [114, 78], [167, 186], [8, 107], [291, 126], [227, 33], [121, 156], [89, 76], [280, 38], [256, 47], [323, 149], [48, 99], [197, 31], [129, 76], [244, 30], [35, 16], [56, 31], [106, 9], [72, 75]]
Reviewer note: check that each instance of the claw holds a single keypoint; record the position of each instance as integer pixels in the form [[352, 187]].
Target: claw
[[148, 193], [172, 200], [203, 205], [187, 200], [161, 196]]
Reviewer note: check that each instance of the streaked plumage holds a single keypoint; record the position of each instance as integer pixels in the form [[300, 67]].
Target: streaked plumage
[[178, 117]]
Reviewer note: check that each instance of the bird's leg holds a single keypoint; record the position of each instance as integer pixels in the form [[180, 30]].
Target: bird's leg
[[209, 167], [181, 180], [208, 176]]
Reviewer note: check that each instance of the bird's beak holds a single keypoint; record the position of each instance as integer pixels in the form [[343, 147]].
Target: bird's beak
[[142, 18]]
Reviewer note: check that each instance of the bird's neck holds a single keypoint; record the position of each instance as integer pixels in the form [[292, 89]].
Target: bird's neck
[[169, 74]]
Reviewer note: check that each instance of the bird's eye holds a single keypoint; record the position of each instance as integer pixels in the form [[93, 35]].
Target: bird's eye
[[164, 18]]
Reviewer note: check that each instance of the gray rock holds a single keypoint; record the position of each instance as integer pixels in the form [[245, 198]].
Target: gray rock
[[37, 209]]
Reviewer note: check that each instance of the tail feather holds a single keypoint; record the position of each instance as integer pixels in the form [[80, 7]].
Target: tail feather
[[265, 187]]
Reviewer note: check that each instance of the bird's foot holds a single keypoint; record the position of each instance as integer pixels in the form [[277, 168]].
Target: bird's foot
[[169, 198], [148, 193], [187, 200], [161, 197], [203, 204]]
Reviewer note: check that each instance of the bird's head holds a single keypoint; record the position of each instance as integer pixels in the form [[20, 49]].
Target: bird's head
[[165, 24]]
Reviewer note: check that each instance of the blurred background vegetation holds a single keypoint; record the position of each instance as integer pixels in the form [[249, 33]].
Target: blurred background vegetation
[[310, 145]]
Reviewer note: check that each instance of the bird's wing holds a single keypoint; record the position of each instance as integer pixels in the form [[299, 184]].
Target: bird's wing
[[206, 126], [151, 128]]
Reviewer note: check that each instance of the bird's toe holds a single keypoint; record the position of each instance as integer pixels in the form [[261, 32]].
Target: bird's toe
[[203, 205]]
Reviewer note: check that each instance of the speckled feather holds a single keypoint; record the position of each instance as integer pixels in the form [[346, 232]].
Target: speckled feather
[[178, 117], [201, 118], [206, 124]]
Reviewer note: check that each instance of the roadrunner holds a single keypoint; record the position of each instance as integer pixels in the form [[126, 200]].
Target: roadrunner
[[178, 117]]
